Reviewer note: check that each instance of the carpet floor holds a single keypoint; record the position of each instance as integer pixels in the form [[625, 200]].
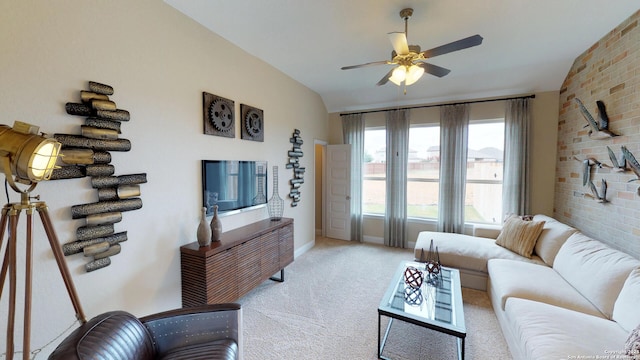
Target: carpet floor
[[327, 309]]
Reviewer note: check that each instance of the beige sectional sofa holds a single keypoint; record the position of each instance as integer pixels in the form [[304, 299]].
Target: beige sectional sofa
[[574, 298]]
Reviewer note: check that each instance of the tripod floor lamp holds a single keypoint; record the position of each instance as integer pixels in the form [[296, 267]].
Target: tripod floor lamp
[[30, 158]]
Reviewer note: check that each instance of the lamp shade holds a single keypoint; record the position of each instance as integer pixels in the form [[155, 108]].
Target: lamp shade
[[32, 157], [414, 74], [398, 75]]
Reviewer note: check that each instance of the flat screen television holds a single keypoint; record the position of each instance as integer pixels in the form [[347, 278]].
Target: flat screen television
[[233, 184]]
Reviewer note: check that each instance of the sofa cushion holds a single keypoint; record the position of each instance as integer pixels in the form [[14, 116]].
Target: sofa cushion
[[594, 269], [519, 235], [465, 251], [487, 230], [553, 235], [626, 310], [550, 332], [510, 278]]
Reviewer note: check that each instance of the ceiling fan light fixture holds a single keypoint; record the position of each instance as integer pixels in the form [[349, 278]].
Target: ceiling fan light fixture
[[398, 75], [414, 74]]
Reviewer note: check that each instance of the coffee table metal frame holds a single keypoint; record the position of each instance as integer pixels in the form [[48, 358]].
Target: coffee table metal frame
[[455, 327]]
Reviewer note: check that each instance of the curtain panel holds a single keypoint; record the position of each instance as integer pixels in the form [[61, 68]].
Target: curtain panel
[[515, 189], [454, 134], [353, 134], [395, 221]]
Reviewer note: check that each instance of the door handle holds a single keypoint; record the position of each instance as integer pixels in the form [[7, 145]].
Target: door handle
[[348, 197]]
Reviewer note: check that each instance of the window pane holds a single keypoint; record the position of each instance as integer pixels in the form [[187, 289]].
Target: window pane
[[374, 171], [486, 151], [483, 200], [422, 199], [423, 172], [483, 203]]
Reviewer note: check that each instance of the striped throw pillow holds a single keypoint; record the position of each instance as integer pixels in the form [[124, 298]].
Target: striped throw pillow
[[520, 236]]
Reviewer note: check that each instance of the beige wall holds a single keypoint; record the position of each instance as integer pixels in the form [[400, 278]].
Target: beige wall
[[159, 63], [544, 135], [608, 71]]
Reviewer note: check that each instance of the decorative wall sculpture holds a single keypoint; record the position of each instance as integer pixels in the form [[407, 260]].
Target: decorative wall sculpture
[[625, 162], [88, 155], [219, 115], [598, 128], [252, 123], [294, 163]]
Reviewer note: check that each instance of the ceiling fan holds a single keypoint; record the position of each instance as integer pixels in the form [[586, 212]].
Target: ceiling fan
[[410, 60]]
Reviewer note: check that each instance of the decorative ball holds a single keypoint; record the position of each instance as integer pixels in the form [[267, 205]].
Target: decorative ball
[[413, 277], [413, 296], [433, 268]]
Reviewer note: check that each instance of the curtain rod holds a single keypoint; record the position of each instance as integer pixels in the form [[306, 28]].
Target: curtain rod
[[532, 96]]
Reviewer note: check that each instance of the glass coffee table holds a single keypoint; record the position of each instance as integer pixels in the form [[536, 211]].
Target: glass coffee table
[[435, 305]]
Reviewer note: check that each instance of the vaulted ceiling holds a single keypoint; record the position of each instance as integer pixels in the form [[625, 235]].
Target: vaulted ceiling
[[528, 46]]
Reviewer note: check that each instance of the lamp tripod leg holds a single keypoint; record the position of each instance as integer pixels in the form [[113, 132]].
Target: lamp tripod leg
[[10, 216], [26, 329], [5, 261], [11, 263], [59, 256]]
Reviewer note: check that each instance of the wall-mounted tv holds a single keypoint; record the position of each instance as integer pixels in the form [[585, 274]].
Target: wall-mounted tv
[[233, 184]]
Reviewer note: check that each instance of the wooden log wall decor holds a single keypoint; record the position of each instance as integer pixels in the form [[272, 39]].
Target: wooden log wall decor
[[294, 163], [88, 154]]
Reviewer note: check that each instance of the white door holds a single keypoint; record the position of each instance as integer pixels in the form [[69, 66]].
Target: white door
[[338, 200]]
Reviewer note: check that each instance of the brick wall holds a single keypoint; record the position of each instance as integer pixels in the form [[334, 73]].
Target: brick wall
[[608, 71]]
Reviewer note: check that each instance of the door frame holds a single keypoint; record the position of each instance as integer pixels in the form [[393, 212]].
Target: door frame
[[323, 193]]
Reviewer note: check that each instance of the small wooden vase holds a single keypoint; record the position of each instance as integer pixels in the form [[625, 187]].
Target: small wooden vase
[[216, 225], [204, 231]]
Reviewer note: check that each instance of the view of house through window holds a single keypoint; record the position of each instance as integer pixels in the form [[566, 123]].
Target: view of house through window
[[483, 201]]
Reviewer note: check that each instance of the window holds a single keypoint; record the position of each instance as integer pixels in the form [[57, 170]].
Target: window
[[423, 171], [483, 200], [374, 171]]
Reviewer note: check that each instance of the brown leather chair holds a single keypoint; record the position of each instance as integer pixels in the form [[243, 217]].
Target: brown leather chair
[[202, 332]]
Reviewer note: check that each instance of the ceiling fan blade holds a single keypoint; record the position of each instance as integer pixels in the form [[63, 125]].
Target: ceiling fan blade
[[383, 62], [471, 41], [385, 79], [434, 70], [399, 42]]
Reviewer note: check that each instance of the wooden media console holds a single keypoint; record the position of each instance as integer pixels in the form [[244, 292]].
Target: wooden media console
[[243, 258]]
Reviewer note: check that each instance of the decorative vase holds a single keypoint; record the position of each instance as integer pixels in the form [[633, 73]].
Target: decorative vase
[[204, 231], [216, 225], [260, 197], [275, 205]]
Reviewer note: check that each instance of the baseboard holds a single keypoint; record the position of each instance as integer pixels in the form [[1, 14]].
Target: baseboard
[[373, 240], [318, 232], [380, 241], [303, 249]]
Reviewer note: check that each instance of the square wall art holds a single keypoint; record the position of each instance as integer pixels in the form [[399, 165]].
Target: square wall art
[[219, 115], [252, 123]]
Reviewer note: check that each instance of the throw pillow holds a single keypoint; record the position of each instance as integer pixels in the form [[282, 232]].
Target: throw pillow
[[520, 236], [632, 347]]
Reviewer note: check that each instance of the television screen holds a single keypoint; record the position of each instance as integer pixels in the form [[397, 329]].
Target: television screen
[[233, 184]]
